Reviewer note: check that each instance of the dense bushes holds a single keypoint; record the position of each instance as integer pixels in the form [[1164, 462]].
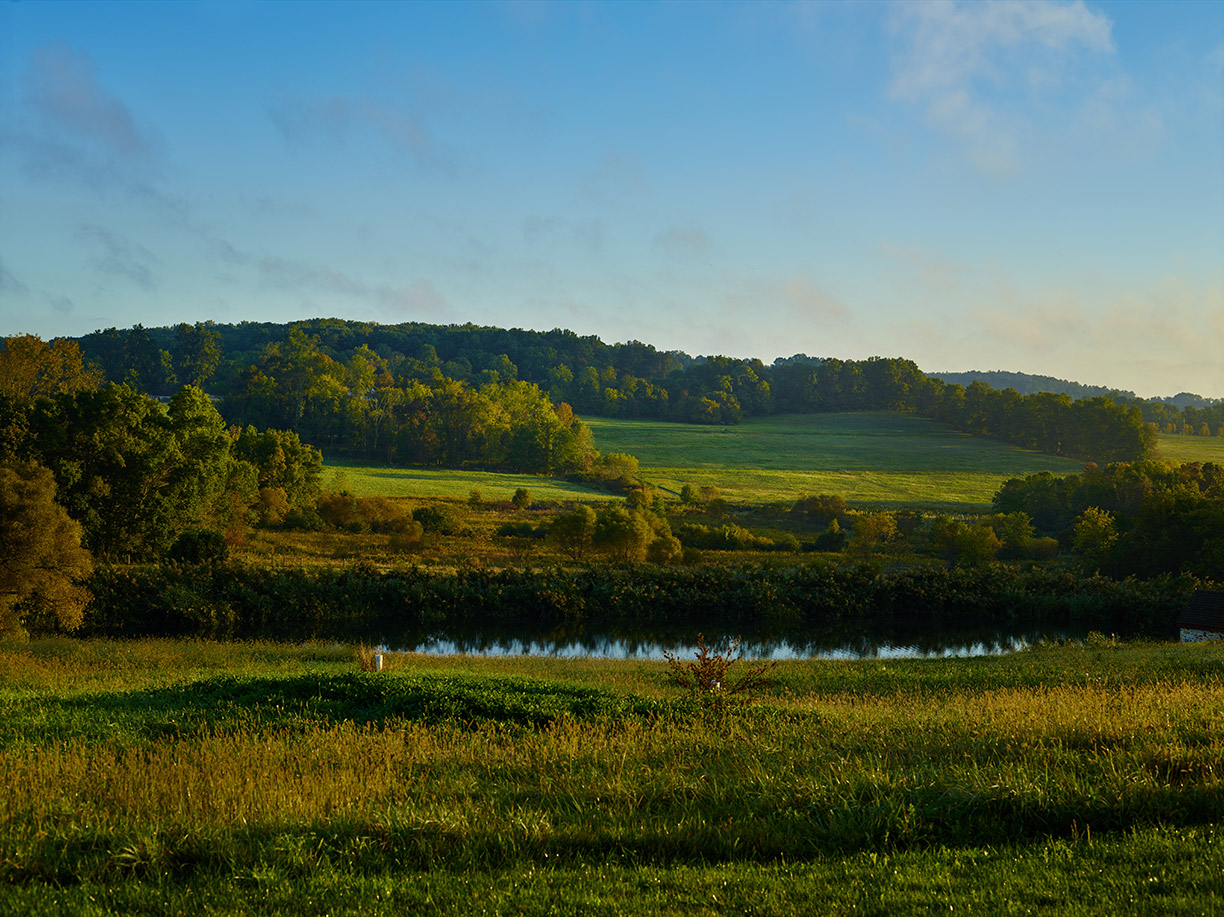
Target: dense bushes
[[248, 601]]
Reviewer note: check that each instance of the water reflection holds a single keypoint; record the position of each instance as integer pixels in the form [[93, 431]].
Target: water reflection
[[767, 646]]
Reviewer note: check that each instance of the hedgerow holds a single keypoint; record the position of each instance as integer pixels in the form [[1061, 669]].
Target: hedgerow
[[246, 601]]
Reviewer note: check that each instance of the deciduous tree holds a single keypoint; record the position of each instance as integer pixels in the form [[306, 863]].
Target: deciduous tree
[[41, 558]]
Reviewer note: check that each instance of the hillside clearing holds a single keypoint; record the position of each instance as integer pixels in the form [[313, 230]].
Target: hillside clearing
[[883, 460]]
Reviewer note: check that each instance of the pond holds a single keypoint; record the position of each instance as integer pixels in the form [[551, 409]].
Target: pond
[[612, 644]]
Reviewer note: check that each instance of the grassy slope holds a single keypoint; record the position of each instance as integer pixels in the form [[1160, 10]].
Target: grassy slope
[[889, 460], [161, 777], [377, 481], [1191, 449], [886, 460]]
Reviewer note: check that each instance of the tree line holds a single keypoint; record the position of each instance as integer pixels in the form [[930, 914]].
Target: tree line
[[1139, 518], [361, 388], [104, 470]]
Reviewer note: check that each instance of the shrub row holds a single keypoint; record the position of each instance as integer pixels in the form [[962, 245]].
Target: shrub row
[[235, 600]]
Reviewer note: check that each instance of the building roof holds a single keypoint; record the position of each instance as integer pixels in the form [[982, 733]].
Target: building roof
[[1205, 611]]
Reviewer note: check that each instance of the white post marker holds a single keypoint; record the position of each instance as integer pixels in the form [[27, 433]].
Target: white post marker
[[378, 662]]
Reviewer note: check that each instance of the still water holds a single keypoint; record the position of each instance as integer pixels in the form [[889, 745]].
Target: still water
[[791, 645]]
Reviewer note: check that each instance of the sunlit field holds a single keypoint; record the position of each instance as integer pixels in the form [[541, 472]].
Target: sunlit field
[[872, 459], [158, 777], [1191, 448], [366, 480], [881, 459]]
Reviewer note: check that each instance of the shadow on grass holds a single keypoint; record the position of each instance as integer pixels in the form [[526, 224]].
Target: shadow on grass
[[313, 699]]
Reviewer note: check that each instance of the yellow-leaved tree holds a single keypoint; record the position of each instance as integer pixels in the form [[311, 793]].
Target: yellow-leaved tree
[[42, 562]]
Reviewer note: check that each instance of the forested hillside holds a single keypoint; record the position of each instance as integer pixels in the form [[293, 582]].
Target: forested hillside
[[432, 394]]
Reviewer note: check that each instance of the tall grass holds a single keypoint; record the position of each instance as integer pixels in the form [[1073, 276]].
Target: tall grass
[[304, 766]]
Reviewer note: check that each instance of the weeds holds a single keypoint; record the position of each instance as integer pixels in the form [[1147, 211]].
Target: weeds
[[366, 658], [709, 672]]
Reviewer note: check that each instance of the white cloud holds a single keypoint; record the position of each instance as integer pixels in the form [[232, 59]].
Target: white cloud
[[957, 60]]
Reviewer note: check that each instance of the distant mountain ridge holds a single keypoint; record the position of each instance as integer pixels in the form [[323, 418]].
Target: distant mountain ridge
[[1028, 384]]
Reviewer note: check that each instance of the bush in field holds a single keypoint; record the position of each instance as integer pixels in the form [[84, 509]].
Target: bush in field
[[408, 538], [872, 533], [821, 509], [434, 519], [341, 511], [623, 534], [521, 499], [1015, 531], [665, 549], [574, 532], [831, 539], [723, 538], [521, 530], [616, 469], [199, 546], [364, 514]]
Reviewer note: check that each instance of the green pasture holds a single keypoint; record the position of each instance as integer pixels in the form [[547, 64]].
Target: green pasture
[[875, 459], [164, 777], [884, 459], [1183, 449], [366, 480]]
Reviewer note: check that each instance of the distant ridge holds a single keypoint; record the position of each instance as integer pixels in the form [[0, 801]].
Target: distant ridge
[[1026, 384]]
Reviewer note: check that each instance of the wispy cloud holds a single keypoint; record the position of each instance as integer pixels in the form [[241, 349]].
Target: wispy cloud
[[959, 60], [70, 128], [10, 285], [120, 256], [548, 230], [61, 87], [682, 242], [617, 175], [302, 122], [289, 275]]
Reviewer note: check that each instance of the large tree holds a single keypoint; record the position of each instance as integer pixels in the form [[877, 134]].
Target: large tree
[[133, 473], [41, 558]]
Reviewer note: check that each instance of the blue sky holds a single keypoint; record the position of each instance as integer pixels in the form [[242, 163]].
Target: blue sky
[[1034, 186]]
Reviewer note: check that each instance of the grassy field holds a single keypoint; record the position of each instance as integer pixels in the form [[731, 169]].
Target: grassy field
[[160, 777], [366, 480], [874, 459], [1191, 448], [885, 460]]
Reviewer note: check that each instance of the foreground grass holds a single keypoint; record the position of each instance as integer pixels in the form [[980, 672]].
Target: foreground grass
[[159, 777]]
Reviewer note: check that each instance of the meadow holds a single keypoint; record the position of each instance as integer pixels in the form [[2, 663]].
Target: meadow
[[160, 777], [877, 460], [368, 480], [1183, 449]]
